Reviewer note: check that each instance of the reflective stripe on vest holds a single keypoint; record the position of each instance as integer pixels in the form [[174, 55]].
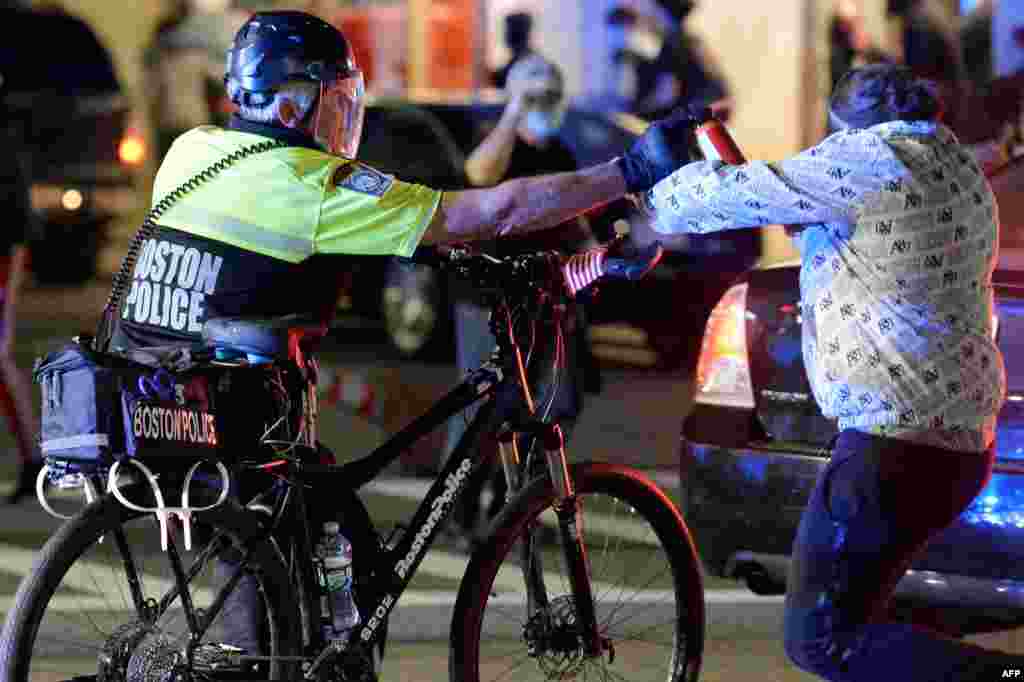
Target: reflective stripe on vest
[[212, 225]]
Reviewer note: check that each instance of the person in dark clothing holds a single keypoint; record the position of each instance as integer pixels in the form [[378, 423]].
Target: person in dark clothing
[[672, 66], [518, 27], [975, 111], [183, 61], [929, 47], [976, 44], [15, 394], [850, 43]]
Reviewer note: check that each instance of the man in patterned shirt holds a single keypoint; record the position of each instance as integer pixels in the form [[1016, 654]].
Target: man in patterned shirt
[[898, 234]]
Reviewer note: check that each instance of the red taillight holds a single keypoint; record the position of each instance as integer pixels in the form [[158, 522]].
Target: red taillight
[[132, 149], [723, 370]]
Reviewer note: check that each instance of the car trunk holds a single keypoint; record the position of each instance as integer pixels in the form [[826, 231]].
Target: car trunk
[[749, 469]]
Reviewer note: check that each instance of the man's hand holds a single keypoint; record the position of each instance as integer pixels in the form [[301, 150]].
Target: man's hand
[[663, 148]]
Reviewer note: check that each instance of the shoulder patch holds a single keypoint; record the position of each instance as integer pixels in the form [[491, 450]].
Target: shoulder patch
[[362, 179]]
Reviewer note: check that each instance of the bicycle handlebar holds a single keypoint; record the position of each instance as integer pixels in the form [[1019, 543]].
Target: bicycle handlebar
[[544, 268]]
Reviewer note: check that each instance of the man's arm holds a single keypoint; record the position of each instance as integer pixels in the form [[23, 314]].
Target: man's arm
[[523, 205], [820, 185], [488, 163], [529, 204]]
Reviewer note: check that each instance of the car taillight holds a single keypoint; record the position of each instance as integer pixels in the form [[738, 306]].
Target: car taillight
[[723, 370], [132, 149]]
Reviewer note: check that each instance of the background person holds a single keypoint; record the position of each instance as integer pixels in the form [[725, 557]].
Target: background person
[[671, 65], [15, 392], [184, 64], [897, 229], [518, 32], [524, 143], [932, 48], [851, 44]]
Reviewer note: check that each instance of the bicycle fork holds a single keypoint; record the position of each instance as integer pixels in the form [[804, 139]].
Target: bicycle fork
[[567, 507]]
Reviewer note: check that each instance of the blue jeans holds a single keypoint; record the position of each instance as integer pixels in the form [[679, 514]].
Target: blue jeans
[[872, 511]]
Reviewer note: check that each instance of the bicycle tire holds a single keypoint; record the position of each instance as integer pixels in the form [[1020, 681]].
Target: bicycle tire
[[667, 530], [57, 560]]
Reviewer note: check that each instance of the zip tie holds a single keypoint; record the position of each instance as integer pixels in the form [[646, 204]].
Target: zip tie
[[583, 269], [163, 512]]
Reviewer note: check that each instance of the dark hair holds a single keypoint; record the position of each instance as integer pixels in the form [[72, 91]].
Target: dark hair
[[679, 9], [877, 93], [518, 26]]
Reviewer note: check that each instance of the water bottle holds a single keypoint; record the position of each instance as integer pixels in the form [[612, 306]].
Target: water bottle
[[336, 552]]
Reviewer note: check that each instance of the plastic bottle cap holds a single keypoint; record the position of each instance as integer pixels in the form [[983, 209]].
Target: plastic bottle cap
[[332, 527]]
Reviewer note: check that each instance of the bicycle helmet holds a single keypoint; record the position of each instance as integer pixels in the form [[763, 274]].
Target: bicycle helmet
[[272, 48]]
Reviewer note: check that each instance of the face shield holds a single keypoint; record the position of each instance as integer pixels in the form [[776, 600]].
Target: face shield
[[338, 125]]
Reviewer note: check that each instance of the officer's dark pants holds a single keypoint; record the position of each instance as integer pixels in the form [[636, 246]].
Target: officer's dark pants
[[873, 509], [243, 622]]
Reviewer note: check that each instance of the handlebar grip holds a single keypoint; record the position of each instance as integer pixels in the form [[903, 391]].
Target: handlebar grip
[[583, 269], [637, 266]]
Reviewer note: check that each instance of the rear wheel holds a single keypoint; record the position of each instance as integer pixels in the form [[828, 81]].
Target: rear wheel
[[645, 576], [75, 614]]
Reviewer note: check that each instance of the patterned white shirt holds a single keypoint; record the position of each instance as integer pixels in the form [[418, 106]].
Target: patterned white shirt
[[899, 240]]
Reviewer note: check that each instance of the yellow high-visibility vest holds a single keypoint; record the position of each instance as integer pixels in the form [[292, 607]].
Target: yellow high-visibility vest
[[290, 203]]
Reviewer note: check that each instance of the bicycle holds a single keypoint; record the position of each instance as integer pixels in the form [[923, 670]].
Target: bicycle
[[588, 565]]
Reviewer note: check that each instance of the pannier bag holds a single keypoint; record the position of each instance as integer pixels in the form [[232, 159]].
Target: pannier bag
[[98, 408]]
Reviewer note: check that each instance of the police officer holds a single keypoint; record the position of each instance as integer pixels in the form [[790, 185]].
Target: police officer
[[255, 239], [245, 242]]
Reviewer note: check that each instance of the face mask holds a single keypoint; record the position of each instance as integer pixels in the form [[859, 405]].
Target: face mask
[[645, 43], [542, 124]]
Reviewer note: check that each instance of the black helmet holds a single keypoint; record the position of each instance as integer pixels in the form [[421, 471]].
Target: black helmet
[[272, 48]]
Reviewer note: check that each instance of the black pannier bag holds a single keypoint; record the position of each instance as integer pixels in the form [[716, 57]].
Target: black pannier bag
[[98, 408]]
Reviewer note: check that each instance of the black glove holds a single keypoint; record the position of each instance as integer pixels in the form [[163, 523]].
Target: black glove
[[663, 148]]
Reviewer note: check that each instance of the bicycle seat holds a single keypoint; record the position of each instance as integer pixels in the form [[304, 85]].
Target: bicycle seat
[[265, 336]]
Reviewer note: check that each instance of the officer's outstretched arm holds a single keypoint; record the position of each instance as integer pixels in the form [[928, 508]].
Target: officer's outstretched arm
[[529, 204], [523, 205]]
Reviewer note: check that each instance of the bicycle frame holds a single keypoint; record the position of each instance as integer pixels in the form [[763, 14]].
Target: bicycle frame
[[397, 564]]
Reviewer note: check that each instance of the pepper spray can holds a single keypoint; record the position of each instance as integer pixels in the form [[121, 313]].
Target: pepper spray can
[[714, 141]]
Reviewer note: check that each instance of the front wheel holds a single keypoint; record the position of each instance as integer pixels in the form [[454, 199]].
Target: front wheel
[[645, 577]]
